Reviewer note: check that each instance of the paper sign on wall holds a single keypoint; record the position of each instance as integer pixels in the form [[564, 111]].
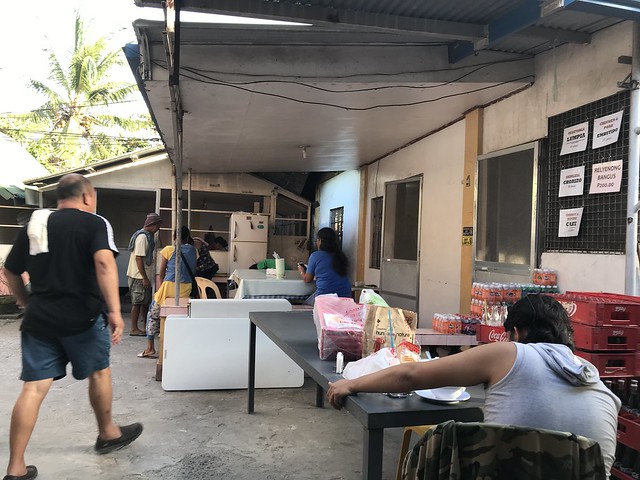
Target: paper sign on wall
[[575, 138], [606, 129], [570, 219], [571, 182], [606, 177]]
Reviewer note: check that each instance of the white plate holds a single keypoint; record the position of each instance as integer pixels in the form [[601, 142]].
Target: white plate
[[429, 395]]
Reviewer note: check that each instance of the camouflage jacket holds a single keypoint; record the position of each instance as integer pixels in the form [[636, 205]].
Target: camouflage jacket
[[483, 451]]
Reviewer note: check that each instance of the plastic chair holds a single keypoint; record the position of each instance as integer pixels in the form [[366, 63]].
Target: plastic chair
[[419, 430], [203, 284], [483, 450]]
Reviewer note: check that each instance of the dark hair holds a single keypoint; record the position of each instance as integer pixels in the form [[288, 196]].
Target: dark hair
[[540, 319], [222, 242], [209, 237], [72, 185], [329, 243], [185, 235]]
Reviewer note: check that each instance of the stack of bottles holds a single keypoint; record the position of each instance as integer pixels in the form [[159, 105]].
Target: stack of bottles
[[489, 301], [627, 458], [546, 277], [454, 323]]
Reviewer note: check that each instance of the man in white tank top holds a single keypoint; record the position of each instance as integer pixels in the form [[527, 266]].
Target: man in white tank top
[[533, 381]]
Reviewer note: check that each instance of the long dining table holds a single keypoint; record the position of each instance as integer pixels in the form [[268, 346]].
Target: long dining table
[[295, 333], [256, 284]]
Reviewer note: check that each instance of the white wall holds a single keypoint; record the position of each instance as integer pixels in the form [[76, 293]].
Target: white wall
[[439, 158], [342, 191], [587, 272], [566, 78]]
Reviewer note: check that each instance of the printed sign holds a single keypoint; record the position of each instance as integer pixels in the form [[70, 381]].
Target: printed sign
[[571, 182], [606, 177], [570, 219], [606, 130], [575, 138]]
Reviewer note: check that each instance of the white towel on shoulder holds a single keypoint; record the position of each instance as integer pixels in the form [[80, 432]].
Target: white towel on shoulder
[[38, 233]]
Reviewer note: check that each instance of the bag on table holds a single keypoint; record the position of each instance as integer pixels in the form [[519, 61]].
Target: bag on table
[[339, 323], [376, 327], [376, 361]]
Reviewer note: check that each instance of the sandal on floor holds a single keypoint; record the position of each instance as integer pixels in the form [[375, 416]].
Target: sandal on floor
[[128, 434], [147, 355], [32, 472]]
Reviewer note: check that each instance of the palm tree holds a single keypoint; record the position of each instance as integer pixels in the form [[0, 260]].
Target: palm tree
[[74, 126]]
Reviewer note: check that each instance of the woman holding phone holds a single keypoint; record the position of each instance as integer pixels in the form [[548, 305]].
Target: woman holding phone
[[329, 266]]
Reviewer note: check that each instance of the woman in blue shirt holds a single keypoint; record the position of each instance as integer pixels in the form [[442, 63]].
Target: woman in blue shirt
[[328, 265]]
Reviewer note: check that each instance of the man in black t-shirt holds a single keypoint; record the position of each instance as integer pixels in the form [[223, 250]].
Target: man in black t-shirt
[[72, 314]]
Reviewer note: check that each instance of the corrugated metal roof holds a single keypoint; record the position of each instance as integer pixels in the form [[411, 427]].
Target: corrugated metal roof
[[398, 21]]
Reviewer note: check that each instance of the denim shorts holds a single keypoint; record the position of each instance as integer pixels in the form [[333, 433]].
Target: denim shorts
[[87, 352]]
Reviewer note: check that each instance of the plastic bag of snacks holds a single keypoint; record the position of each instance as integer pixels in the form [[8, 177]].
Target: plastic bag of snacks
[[376, 361], [408, 352], [369, 297], [339, 324]]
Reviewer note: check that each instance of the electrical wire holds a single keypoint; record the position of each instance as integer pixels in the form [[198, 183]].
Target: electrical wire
[[355, 75], [359, 109], [327, 90]]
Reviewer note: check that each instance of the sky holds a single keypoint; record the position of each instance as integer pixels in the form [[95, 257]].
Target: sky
[[32, 26]]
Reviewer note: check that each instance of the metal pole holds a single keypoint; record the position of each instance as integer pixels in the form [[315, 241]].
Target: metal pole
[[190, 174], [631, 282]]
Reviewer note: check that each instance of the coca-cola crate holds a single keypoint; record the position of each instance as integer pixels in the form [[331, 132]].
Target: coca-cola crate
[[488, 334], [600, 311], [629, 430], [591, 338], [618, 474], [616, 296], [611, 364]]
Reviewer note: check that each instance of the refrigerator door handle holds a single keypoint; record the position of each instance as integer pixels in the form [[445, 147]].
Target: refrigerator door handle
[[235, 229], [235, 253]]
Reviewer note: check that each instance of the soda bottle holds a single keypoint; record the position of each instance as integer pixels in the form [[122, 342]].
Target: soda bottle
[[486, 318], [634, 395]]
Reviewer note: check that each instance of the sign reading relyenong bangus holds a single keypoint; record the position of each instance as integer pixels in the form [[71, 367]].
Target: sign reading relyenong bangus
[[603, 225]]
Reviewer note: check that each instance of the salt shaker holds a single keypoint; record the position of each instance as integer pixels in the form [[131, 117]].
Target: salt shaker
[[339, 362]]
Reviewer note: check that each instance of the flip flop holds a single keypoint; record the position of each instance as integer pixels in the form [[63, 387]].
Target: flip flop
[[146, 355], [32, 472], [141, 334]]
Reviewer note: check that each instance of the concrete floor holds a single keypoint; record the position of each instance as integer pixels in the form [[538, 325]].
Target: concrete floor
[[188, 435]]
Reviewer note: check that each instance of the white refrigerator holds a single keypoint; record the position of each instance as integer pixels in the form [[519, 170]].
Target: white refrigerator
[[248, 234]]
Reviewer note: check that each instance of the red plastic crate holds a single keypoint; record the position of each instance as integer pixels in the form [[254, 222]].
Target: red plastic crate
[[616, 296], [591, 338], [611, 364], [629, 430], [488, 334], [600, 311], [620, 475]]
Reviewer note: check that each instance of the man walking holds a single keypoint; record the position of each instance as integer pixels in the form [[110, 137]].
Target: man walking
[[140, 271], [70, 257]]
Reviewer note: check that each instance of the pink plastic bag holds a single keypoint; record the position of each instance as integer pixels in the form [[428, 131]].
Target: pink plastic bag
[[339, 323]]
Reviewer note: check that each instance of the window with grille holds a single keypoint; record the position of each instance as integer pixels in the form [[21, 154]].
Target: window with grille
[[376, 232], [337, 222]]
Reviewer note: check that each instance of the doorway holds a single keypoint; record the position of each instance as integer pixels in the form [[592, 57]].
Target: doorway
[[400, 266]]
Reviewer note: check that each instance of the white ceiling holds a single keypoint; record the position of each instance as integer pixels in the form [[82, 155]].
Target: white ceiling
[[229, 129], [250, 93]]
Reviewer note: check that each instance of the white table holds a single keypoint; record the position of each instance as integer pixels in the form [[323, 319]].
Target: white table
[[256, 284]]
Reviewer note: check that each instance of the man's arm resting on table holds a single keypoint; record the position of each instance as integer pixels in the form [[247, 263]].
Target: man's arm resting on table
[[484, 364], [107, 274]]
